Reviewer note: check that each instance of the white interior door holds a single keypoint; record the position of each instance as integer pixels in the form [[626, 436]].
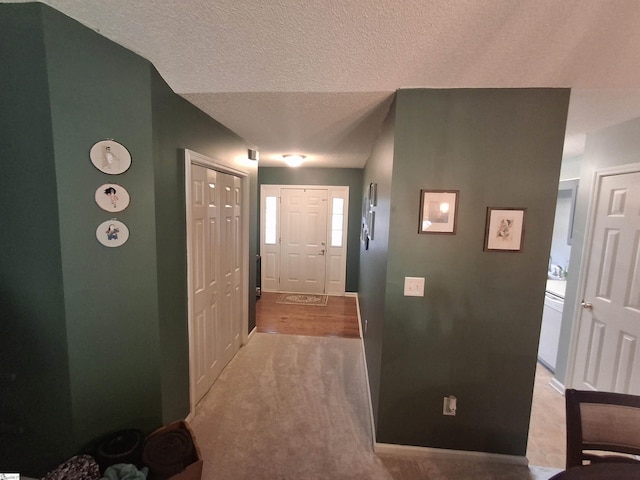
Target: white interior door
[[215, 266], [303, 221], [607, 352]]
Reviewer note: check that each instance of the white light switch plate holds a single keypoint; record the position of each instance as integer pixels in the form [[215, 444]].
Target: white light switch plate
[[414, 286]]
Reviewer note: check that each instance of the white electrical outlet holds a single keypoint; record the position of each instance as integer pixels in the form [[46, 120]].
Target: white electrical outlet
[[414, 286], [450, 405]]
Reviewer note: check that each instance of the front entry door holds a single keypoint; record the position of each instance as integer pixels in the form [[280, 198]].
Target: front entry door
[[304, 235], [607, 353]]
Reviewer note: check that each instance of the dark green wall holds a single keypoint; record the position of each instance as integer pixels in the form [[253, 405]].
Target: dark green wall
[[97, 337], [350, 177], [611, 147], [373, 261], [475, 332], [34, 368], [178, 125], [99, 90]]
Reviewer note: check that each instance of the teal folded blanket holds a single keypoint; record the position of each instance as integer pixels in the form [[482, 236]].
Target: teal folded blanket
[[125, 471]]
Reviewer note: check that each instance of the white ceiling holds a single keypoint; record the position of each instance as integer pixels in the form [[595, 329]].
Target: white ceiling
[[317, 77]]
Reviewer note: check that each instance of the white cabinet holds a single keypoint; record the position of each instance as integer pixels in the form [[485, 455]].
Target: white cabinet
[[550, 330]]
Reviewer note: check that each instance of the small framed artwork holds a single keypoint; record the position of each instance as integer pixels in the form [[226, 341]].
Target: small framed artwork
[[373, 194], [371, 220], [110, 157], [112, 197], [504, 229], [365, 208], [438, 211], [364, 230], [112, 233]]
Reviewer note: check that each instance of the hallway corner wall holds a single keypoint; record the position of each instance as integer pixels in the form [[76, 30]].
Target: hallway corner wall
[[97, 337], [34, 364], [99, 90], [374, 256], [177, 125], [478, 323]]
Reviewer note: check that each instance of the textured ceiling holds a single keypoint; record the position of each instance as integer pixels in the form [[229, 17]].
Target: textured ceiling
[[317, 77]]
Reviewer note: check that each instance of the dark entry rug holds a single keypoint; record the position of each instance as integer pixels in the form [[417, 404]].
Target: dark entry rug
[[303, 299]]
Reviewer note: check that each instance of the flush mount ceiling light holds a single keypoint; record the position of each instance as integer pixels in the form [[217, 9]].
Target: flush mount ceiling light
[[293, 160]]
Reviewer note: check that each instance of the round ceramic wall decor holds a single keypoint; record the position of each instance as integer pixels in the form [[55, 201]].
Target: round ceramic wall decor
[[112, 197], [110, 157], [112, 233]]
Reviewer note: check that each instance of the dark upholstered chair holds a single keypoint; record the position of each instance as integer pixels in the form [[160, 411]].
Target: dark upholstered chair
[[601, 426]]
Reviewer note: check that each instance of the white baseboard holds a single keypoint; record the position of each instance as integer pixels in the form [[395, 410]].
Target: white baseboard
[[366, 377], [557, 385], [351, 294], [360, 325], [251, 334], [427, 452]]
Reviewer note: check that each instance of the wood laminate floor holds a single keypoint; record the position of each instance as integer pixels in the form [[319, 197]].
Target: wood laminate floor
[[339, 318]]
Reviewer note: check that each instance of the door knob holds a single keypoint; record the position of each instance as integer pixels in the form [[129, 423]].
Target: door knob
[[321, 252], [587, 305]]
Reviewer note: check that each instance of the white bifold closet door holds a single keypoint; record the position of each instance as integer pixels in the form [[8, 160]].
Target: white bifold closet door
[[216, 257]]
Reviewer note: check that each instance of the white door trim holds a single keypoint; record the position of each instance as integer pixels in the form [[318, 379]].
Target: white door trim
[[191, 157], [331, 287], [584, 260]]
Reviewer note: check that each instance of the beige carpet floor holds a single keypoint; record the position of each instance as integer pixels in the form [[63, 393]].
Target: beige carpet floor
[[295, 407]]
